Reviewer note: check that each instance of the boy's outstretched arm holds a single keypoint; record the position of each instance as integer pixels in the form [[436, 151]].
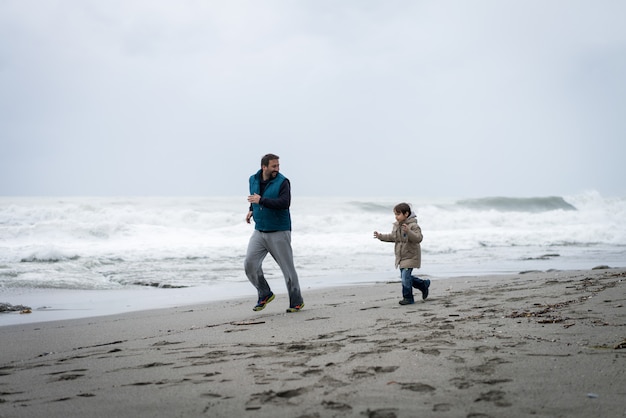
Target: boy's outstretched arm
[[383, 237]]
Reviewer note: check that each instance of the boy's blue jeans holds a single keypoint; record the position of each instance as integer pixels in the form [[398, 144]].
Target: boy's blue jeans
[[408, 282]]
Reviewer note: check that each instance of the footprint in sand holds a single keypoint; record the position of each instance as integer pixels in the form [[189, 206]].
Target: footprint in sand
[[365, 371], [442, 407], [380, 413], [495, 396], [270, 396], [336, 406], [417, 387]]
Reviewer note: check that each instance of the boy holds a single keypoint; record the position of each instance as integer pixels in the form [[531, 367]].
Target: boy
[[407, 235]]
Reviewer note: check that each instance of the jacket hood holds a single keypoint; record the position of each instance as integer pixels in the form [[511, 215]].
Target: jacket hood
[[412, 219]]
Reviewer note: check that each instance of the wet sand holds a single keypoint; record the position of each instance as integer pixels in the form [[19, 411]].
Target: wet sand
[[540, 344]]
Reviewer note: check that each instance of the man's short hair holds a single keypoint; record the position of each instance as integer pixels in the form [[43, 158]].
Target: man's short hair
[[265, 161]]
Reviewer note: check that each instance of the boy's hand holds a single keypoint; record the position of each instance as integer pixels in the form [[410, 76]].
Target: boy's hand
[[376, 234], [405, 227]]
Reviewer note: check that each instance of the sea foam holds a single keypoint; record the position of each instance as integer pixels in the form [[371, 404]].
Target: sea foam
[[111, 243]]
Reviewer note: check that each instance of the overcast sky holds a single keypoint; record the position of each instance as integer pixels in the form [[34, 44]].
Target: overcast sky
[[358, 98]]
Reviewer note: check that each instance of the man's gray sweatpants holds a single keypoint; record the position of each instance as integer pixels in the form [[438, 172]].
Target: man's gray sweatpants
[[278, 244]]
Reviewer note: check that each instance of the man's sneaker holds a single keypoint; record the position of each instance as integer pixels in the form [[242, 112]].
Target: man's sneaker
[[406, 302], [262, 302], [426, 285], [295, 308]]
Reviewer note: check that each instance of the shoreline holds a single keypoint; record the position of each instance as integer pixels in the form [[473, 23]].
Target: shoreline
[[53, 304], [66, 304], [543, 344]]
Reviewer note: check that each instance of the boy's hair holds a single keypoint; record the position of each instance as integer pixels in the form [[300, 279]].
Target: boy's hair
[[265, 161], [402, 208]]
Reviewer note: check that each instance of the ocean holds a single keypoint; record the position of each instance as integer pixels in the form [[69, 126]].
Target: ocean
[[80, 256]]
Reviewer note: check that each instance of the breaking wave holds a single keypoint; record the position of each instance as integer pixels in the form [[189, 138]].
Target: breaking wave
[[99, 243], [514, 204]]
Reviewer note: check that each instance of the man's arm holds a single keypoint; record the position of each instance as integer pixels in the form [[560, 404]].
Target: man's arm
[[283, 201]]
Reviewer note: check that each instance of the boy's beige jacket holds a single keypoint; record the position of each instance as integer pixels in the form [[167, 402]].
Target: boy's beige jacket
[[407, 248]]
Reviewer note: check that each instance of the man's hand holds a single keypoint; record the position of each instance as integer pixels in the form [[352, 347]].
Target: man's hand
[[248, 217], [255, 198]]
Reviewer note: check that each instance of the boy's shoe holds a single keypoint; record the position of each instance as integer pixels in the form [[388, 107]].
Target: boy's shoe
[[422, 285], [424, 289], [262, 302], [406, 302], [295, 308]]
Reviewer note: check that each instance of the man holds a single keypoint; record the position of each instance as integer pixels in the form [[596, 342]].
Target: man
[[270, 198]]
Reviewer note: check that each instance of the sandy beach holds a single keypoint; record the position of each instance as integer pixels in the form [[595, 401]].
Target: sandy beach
[[540, 344]]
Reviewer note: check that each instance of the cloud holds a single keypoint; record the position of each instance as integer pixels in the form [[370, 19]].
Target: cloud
[[461, 99]]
